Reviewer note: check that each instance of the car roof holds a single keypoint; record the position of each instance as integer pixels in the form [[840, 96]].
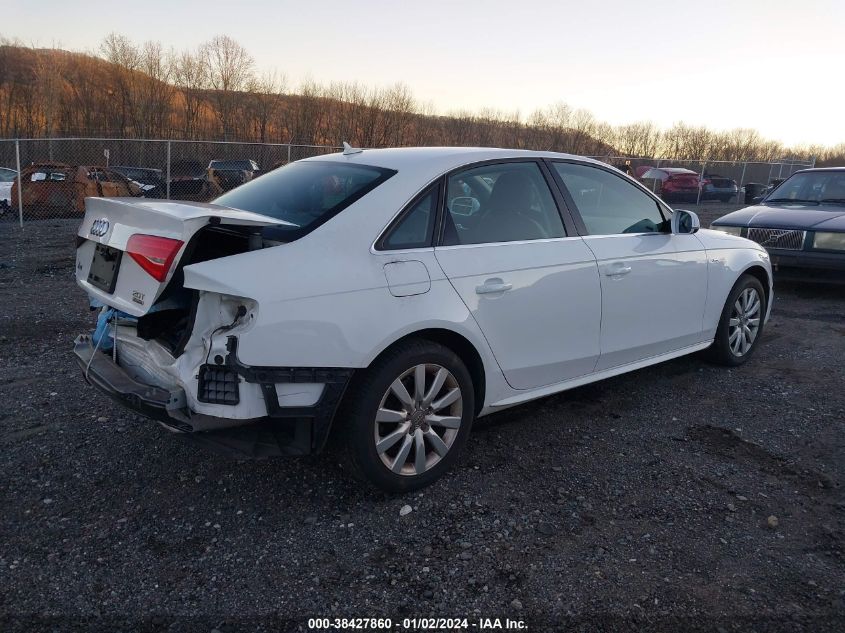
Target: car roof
[[821, 169], [442, 158]]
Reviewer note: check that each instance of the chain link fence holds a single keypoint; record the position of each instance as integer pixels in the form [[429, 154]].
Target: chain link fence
[[729, 181], [58, 174]]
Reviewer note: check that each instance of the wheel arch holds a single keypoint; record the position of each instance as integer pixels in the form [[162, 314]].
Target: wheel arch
[[460, 345], [762, 275]]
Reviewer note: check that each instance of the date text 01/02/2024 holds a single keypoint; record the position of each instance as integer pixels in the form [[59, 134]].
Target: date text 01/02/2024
[[417, 624]]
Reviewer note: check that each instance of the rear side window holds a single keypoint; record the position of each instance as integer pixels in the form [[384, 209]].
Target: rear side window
[[415, 228], [305, 194], [608, 203]]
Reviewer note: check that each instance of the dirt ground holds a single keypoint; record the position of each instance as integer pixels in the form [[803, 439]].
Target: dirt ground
[[680, 497]]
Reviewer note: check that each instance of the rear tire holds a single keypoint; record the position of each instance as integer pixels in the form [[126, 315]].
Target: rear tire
[[406, 419], [741, 323]]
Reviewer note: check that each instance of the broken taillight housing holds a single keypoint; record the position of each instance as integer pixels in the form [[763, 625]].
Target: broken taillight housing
[[154, 254]]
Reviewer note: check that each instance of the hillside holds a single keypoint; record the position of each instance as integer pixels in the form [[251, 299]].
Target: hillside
[[61, 93]]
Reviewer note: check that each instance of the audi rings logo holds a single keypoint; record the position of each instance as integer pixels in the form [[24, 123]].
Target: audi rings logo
[[100, 227]]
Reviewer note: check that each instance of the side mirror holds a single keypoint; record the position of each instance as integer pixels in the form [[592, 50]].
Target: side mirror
[[685, 222]]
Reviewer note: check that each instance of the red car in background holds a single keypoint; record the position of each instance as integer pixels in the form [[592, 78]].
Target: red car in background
[[674, 184]]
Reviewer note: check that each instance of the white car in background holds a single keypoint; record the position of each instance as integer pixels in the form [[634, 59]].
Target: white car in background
[[392, 296], [7, 177]]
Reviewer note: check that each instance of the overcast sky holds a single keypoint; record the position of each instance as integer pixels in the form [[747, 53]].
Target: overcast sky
[[773, 65]]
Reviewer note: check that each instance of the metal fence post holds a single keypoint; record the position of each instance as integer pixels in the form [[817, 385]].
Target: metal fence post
[[288, 152], [168, 169], [20, 182], [741, 180], [700, 182]]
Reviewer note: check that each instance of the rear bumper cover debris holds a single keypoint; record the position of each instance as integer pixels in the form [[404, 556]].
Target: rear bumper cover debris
[[297, 430], [102, 372]]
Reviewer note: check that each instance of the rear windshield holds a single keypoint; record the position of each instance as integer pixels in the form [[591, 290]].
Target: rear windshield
[[305, 194]]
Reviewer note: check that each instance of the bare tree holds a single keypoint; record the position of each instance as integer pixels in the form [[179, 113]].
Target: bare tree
[[48, 76], [125, 59], [230, 70], [155, 92], [264, 100], [190, 75]]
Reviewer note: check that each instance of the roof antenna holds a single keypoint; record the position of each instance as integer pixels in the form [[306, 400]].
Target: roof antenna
[[348, 150]]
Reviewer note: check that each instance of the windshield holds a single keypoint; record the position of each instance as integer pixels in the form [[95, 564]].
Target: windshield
[[305, 194], [818, 187]]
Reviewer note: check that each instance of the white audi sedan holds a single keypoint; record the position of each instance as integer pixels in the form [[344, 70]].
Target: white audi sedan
[[389, 297]]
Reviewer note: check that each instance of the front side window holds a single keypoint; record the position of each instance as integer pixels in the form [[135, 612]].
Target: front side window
[[415, 228], [304, 194], [503, 202], [609, 204]]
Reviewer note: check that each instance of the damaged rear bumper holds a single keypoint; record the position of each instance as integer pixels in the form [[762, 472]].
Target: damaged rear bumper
[[102, 372], [286, 430]]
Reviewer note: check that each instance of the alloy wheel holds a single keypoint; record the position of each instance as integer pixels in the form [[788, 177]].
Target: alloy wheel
[[418, 419], [744, 323]]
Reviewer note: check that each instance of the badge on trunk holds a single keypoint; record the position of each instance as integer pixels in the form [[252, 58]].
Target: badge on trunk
[[100, 227]]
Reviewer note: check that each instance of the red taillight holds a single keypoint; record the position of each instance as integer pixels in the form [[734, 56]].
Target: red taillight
[[153, 254]]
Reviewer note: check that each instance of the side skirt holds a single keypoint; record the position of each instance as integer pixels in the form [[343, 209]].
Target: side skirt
[[549, 390]]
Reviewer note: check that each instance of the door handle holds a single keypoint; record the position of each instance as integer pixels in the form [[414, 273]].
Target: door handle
[[492, 286], [617, 270]]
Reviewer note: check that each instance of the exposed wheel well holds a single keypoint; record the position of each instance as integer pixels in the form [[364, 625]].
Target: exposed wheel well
[[463, 348], [763, 277]]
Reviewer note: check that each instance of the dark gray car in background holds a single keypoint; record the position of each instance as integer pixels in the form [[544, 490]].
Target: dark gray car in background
[[801, 223]]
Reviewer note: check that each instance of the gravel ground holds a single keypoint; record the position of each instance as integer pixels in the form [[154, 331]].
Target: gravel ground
[[682, 496]]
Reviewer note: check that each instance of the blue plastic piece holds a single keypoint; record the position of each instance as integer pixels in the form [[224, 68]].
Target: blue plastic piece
[[103, 335]]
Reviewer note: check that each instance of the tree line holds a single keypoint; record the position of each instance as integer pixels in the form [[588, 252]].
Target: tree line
[[142, 90]]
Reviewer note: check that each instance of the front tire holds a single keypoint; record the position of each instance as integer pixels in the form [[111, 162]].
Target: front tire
[[741, 323], [407, 418]]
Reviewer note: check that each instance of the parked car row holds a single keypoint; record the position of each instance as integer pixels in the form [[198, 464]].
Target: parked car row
[[52, 189], [57, 189], [678, 184]]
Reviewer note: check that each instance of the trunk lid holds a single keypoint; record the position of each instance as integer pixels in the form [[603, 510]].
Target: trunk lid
[[128, 248]]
